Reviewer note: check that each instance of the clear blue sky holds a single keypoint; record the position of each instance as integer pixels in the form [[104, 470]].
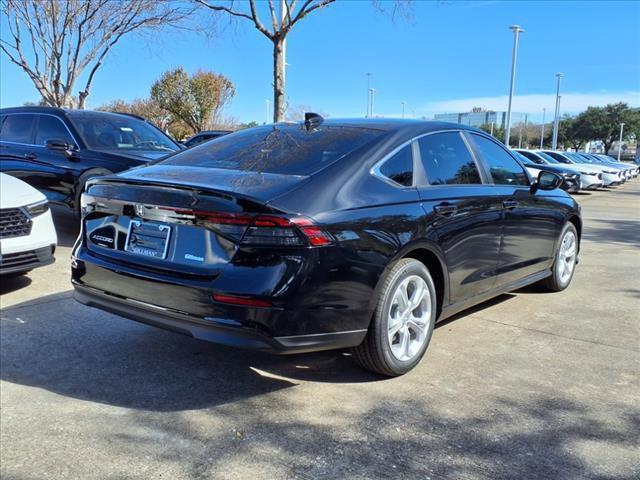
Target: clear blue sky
[[451, 57]]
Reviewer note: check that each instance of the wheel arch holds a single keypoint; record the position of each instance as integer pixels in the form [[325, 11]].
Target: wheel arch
[[431, 256], [577, 222]]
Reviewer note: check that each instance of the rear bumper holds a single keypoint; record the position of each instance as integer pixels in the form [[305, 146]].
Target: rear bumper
[[212, 329], [27, 260]]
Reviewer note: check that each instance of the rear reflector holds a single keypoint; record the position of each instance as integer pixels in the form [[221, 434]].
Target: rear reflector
[[242, 301]]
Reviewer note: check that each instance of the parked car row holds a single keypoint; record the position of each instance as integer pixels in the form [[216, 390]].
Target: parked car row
[[580, 171], [298, 237]]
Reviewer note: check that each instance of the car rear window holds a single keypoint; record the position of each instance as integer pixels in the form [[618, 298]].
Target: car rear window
[[283, 149]]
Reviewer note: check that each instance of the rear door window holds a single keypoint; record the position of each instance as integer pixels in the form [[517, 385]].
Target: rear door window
[[447, 160], [52, 128], [399, 168], [504, 169], [18, 128]]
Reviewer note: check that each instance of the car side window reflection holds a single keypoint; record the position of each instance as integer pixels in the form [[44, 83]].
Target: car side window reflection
[[17, 128], [504, 169], [399, 168], [447, 160], [51, 128]]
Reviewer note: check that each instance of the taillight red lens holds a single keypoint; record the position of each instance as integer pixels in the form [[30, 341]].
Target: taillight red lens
[[315, 236], [263, 230], [242, 301]]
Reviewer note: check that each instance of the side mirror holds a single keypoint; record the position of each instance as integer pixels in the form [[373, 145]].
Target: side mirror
[[61, 146], [58, 145], [548, 181]]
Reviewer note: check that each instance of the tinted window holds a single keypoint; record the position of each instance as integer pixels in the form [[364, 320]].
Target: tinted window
[[51, 128], [106, 131], [548, 158], [504, 169], [531, 156], [447, 160], [558, 157], [283, 148], [399, 168], [17, 128]]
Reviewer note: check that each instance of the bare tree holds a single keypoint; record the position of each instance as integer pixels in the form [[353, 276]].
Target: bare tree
[[280, 26], [56, 41], [280, 23]]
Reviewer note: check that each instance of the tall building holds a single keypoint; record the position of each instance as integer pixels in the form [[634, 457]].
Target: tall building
[[475, 119]]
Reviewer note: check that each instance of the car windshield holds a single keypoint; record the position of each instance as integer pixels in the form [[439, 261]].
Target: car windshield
[[283, 148], [106, 131], [548, 158], [583, 158], [521, 157]]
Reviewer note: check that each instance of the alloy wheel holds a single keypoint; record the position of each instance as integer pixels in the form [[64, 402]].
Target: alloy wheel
[[566, 257], [409, 316]]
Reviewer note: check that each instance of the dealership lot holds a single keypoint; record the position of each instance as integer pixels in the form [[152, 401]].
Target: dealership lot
[[528, 385]]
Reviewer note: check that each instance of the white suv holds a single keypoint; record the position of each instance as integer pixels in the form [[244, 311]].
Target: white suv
[[27, 235]]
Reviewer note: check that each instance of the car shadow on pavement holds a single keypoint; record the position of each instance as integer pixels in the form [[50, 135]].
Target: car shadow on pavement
[[11, 283], [59, 345]]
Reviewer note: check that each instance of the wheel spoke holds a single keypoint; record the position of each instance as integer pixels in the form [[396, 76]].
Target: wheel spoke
[[403, 347], [417, 326], [393, 329], [403, 295], [417, 296]]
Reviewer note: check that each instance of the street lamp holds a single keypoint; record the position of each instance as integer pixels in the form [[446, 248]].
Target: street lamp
[[368, 93], [267, 109], [544, 111], [516, 31], [372, 93], [403, 104], [556, 118], [620, 144]]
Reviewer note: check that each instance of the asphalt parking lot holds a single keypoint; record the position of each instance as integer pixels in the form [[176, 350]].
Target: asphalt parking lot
[[529, 385]]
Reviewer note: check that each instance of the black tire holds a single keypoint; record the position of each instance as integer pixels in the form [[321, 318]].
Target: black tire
[[82, 180], [554, 282], [374, 353]]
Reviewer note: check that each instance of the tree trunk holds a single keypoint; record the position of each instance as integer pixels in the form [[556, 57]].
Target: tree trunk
[[278, 80]]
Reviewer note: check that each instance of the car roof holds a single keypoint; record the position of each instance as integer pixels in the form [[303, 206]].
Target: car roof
[[208, 132], [392, 124], [63, 111]]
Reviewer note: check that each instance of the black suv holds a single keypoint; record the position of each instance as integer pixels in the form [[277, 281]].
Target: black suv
[[56, 150]]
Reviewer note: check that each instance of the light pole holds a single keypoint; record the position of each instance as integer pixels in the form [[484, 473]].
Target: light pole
[[516, 31], [403, 104], [267, 110], [620, 144], [368, 94], [556, 118], [492, 123], [372, 92], [544, 111]]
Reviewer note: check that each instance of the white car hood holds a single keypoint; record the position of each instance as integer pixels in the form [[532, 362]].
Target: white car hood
[[15, 193], [587, 167]]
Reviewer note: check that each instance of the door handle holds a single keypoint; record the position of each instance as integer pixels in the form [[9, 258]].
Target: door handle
[[510, 204], [30, 156], [445, 210]]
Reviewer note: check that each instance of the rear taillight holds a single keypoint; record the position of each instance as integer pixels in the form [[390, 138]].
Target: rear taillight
[[263, 230]]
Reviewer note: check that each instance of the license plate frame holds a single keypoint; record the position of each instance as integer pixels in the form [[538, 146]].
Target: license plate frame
[[151, 234]]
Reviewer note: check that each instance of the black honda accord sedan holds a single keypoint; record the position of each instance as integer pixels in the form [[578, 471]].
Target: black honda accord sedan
[[323, 235]]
